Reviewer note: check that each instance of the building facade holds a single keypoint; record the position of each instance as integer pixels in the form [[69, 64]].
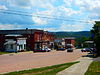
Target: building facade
[[15, 43], [70, 42], [30, 39]]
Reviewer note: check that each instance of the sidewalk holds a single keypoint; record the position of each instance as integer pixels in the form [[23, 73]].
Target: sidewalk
[[79, 68]]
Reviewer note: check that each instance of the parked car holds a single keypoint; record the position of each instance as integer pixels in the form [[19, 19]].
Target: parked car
[[86, 50], [93, 49], [46, 49], [62, 49], [43, 50], [69, 49], [39, 50]]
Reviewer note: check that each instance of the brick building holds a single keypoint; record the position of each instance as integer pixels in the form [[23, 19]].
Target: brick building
[[35, 39], [48, 40], [70, 42]]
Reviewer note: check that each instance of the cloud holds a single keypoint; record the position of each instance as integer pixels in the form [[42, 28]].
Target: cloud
[[42, 17], [42, 3], [68, 11], [22, 2], [9, 26], [49, 29], [3, 7], [38, 21], [90, 6], [69, 27], [68, 2], [19, 3], [28, 4]]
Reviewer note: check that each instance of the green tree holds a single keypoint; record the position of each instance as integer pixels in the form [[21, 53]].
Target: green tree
[[81, 40], [97, 41], [96, 32]]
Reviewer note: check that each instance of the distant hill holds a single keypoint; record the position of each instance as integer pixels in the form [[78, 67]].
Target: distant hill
[[72, 34]]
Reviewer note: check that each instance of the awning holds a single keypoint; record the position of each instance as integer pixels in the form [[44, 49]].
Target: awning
[[10, 42]]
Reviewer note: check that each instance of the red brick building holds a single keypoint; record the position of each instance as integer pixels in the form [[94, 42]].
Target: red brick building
[[2, 40], [70, 42], [35, 39], [48, 39]]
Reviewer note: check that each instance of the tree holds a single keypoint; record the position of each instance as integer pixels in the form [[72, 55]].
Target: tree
[[81, 40], [96, 36], [97, 41]]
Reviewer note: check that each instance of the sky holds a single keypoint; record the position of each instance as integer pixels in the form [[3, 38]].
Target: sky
[[49, 15]]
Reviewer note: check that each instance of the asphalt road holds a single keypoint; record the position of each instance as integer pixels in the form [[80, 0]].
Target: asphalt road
[[28, 60]]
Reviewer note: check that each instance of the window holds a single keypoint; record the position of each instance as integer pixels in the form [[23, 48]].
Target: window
[[20, 47], [11, 46], [24, 46]]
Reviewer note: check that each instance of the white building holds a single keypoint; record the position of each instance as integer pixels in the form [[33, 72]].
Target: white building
[[12, 45]]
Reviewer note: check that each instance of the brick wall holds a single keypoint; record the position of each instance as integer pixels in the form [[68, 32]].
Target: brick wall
[[2, 41]]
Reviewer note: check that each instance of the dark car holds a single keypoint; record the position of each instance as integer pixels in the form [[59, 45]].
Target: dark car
[[39, 50], [42, 50], [69, 49], [86, 50], [60, 49], [93, 49]]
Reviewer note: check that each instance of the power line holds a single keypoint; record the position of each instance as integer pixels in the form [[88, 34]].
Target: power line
[[24, 14], [14, 11], [39, 14]]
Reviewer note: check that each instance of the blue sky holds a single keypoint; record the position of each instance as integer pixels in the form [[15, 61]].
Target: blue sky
[[60, 15]]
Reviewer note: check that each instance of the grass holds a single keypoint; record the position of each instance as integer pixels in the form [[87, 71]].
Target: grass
[[49, 70], [3, 53], [94, 68]]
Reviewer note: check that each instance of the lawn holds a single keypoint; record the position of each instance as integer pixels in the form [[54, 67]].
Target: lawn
[[49, 70], [94, 68], [3, 53]]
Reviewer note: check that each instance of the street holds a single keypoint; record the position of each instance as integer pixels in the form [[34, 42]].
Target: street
[[28, 60]]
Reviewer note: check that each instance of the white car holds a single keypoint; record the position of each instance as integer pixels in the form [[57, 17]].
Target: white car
[[46, 49]]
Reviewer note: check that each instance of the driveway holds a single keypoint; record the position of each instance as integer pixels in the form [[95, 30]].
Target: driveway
[[28, 60]]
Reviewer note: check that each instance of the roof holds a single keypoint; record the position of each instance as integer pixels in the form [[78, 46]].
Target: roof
[[10, 42], [89, 41], [13, 35], [19, 31], [70, 38]]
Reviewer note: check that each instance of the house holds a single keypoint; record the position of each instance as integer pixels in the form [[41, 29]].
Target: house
[[65, 42], [89, 44], [59, 43]]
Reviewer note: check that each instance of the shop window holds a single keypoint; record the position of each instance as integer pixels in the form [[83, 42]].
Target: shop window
[[11, 46], [24, 46], [20, 47]]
